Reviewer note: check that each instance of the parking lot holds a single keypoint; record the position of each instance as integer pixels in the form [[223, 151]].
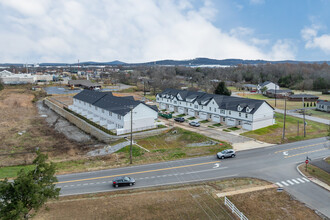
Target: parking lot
[[208, 129]]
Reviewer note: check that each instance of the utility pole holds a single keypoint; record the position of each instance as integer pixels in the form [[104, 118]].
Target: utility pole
[[304, 117], [275, 95], [144, 88], [298, 128], [130, 150], [283, 135]]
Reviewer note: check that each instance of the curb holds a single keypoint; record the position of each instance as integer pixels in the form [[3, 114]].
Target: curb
[[314, 180]]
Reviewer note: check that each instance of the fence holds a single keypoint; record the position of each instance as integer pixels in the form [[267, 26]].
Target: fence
[[234, 209]]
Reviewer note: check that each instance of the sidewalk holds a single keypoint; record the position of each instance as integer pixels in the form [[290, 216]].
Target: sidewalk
[[252, 189]]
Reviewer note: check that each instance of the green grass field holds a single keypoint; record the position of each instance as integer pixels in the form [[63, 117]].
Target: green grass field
[[273, 134]]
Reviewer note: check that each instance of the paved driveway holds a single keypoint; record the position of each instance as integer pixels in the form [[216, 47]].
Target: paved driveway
[[237, 141]]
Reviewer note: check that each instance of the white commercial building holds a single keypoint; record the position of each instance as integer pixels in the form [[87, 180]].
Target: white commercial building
[[250, 114], [114, 113]]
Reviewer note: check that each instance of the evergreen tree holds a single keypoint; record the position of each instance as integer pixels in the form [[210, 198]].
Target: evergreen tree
[[222, 89], [29, 191]]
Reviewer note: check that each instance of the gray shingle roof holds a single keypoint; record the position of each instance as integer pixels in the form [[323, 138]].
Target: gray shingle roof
[[105, 100], [224, 102], [303, 95], [279, 91], [265, 83], [323, 102]]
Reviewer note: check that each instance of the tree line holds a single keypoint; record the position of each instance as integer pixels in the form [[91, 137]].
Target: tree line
[[300, 76]]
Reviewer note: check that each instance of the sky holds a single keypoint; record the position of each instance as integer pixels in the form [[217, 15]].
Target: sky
[[36, 31]]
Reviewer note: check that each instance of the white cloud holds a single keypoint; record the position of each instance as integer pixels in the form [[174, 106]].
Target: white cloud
[[310, 35], [257, 2], [283, 50], [130, 31]]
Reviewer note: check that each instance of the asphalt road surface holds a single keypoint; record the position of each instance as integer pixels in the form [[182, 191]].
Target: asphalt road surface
[[276, 164]]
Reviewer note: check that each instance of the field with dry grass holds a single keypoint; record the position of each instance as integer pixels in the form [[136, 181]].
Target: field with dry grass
[[22, 130], [270, 204], [194, 201]]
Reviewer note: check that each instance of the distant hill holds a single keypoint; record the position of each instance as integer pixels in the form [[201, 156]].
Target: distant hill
[[191, 62]]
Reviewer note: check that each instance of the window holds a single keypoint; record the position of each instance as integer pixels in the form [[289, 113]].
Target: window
[[190, 104], [196, 106], [246, 115], [119, 117], [213, 102], [229, 112], [240, 114], [110, 113], [180, 103], [222, 111], [215, 110], [210, 108], [174, 102]]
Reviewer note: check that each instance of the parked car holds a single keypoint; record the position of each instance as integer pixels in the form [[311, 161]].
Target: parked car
[[123, 181], [194, 123], [179, 119], [226, 153]]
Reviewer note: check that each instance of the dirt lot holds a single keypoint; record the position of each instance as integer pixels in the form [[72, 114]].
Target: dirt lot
[[22, 130], [196, 201]]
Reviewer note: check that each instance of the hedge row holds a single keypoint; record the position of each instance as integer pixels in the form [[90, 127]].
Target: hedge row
[[90, 122]]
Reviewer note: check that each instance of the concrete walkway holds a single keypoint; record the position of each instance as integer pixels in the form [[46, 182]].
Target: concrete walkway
[[311, 118], [108, 149]]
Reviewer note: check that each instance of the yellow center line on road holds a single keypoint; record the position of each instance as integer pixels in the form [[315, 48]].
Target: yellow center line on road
[[146, 171], [305, 152], [300, 147]]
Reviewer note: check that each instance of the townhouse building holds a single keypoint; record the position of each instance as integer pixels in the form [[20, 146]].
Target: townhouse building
[[114, 113], [250, 114]]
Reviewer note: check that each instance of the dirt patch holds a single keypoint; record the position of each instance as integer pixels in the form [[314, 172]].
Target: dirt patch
[[22, 130]]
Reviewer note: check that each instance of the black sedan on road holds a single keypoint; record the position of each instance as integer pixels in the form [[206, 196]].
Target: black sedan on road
[[179, 119], [123, 181]]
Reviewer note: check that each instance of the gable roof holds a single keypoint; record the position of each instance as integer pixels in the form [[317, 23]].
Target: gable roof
[[224, 102], [323, 102], [105, 100], [90, 96], [265, 83]]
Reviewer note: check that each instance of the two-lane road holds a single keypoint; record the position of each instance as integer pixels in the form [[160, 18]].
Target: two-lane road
[[276, 164]]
